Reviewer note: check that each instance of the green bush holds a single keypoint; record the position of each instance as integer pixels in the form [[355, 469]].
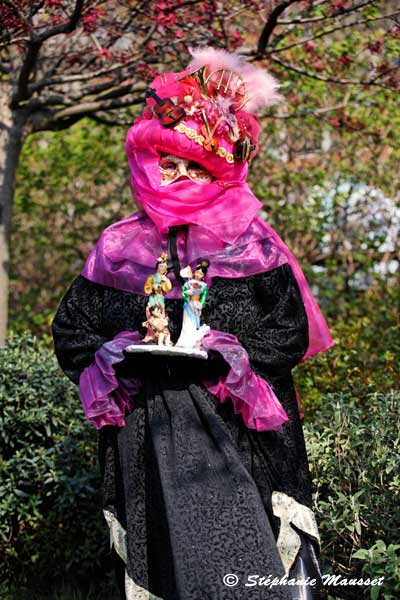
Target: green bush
[[365, 359], [382, 561], [54, 542], [354, 460], [51, 526]]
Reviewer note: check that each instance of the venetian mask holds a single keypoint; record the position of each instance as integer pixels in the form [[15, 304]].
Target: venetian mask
[[174, 168]]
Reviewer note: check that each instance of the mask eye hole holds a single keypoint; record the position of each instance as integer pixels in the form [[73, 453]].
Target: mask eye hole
[[167, 164], [194, 166], [198, 170]]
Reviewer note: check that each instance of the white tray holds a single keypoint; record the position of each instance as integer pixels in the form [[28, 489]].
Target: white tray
[[167, 350]]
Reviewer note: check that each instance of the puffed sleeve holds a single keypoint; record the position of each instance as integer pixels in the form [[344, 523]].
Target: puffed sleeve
[[281, 337], [148, 286], [166, 285], [77, 327]]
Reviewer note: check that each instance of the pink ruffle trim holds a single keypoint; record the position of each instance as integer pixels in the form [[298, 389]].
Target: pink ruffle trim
[[106, 399], [251, 395]]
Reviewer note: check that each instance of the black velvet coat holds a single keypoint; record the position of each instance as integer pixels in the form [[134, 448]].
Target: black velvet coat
[[188, 484]]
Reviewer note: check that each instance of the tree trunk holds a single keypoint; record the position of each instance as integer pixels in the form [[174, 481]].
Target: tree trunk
[[11, 138]]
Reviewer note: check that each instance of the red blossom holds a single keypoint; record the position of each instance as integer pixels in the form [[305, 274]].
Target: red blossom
[[338, 4], [165, 19], [335, 122], [394, 81], [57, 19], [73, 59], [376, 47], [345, 60], [236, 39], [89, 20], [104, 53], [395, 31], [9, 19], [382, 67], [164, 6], [319, 65], [147, 72], [151, 48], [309, 46]]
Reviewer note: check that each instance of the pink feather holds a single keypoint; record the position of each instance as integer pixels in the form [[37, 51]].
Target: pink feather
[[262, 88]]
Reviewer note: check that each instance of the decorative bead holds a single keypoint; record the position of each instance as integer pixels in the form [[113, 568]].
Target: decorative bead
[[200, 139]]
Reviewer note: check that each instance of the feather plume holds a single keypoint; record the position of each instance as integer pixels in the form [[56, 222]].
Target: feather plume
[[262, 88]]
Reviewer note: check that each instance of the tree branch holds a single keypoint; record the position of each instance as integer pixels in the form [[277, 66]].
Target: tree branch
[[14, 41], [334, 15], [86, 108], [82, 76], [271, 23], [113, 123], [312, 112], [67, 27], [332, 30], [34, 45], [327, 79]]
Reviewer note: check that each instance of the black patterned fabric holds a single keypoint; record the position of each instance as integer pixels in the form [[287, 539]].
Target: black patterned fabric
[[186, 479]]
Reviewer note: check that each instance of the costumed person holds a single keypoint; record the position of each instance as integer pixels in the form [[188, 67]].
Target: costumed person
[[205, 476], [194, 294]]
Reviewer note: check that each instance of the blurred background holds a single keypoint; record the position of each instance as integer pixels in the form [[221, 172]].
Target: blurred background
[[72, 76]]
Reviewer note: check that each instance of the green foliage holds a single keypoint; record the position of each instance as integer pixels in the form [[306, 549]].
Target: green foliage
[[70, 186], [364, 360], [382, 561], [51, 526], [354, 459]]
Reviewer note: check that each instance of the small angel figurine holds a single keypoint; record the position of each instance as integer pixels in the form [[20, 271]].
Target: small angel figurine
[[156, 286], [158, 324], [194, 294]]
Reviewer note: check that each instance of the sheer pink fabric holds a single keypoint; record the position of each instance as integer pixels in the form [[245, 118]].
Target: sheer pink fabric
[[106, 399], [225, 206], [125, 256], [251, 395]]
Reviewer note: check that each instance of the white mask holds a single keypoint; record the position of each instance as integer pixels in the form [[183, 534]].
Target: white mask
[[174, 167]]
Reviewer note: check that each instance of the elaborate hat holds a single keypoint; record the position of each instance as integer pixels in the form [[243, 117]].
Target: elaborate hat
[[214, 103], [206, 113]]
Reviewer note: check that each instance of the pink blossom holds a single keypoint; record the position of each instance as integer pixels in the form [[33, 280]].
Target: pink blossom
[[345, 60], [382, 67], [337, 4], [90, 18], [376, 47], [104, 53], [309, 46], [148, 73], [319, 65]]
